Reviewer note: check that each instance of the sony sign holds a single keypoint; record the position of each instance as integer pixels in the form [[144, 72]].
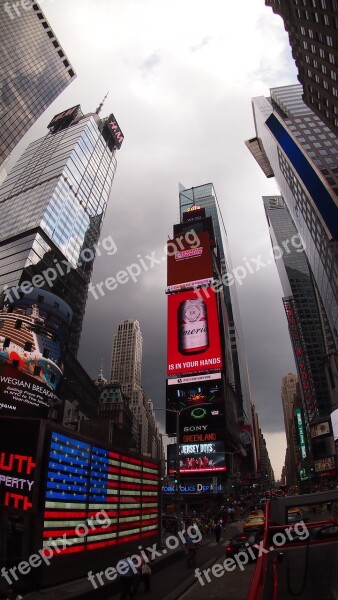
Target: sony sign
[[195, 428]]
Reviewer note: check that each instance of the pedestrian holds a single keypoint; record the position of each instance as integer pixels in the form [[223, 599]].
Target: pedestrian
[[127, 579], [12, 594], [145, 575], [217, 531]]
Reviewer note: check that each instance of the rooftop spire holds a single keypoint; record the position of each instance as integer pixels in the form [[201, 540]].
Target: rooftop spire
[[99, 108]]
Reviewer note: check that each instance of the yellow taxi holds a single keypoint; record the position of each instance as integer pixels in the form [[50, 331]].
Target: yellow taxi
[[254, 523], [255, 513], [294, 515]]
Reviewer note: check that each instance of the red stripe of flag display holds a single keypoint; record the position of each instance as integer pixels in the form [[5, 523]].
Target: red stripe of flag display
[[96, 497]]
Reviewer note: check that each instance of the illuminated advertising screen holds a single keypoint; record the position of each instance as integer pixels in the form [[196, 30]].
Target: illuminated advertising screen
[[17, 462], [201, 405], [195, 486], [189, 263], [299, 348], [193, 213], [34, 328], [301, 432], [193, 332], [325, 464], [65, 117], [208, 457], [198, 225], [82, 481], [114, 131], [320, 429]]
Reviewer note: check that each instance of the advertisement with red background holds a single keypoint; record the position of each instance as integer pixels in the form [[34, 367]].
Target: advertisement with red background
[[193, 333], [189, 263]]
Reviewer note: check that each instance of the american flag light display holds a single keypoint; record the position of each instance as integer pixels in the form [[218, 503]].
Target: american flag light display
[[97, 497]]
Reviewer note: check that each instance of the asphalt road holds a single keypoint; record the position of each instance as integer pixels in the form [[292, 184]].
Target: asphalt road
[[172, 583]]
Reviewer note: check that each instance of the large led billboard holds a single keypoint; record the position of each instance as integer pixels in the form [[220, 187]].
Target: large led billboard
[[82, 480], [207, 457], [34, 328], [200, 403], [193, 333], [17, 462], [325, 464], [189, 264]]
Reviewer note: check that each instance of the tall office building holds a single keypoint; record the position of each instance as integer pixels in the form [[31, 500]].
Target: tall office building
[[34, 70], [302, 307], [205, 197], [288, 391], [52, 206], [126, 366], [313, 33], [302, 154]]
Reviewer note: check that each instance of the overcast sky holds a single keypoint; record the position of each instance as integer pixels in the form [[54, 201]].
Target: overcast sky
[[180, 75]]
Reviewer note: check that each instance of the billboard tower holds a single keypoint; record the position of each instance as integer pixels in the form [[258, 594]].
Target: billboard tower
[[52, 206], [200, 370]]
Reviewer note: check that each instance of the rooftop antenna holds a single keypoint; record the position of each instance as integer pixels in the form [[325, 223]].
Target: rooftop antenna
[[99, 108]]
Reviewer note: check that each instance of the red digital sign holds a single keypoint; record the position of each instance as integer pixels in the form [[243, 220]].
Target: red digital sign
[[193, 333], [67, 116], [18, 462], [299, 347], [189, 261]]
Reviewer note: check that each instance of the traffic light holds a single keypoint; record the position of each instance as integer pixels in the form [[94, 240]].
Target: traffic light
[[175, 477]]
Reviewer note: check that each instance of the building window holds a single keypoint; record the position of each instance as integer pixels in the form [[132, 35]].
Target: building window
[[37, 371], [28, 347], [18, 324], [7, 342]]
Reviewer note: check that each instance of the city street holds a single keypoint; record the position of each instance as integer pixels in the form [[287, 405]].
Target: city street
[[179, 581]]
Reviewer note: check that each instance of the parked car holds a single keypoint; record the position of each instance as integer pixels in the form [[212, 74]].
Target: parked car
[[241, 543]]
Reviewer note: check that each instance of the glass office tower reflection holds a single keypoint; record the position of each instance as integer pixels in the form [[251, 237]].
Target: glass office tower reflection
[[301, 152], [52, 205], [297, 282], [34, 70]]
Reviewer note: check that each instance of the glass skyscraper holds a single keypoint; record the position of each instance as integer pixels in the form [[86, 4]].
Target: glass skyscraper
[[51, 209], [34, 70], [297, 283], [302, 154], [205, 197]]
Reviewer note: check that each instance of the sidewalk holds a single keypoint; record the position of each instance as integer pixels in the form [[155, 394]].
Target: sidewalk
[[82, 589], [178, 581]]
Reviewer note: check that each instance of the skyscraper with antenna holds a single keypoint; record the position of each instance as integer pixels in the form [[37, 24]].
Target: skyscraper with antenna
[[52, 206]]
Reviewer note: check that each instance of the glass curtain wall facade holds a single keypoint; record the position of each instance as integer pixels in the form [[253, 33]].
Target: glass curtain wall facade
[[205, 197], [34, 70], [302, 152], [297, 281], [51, 209]]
